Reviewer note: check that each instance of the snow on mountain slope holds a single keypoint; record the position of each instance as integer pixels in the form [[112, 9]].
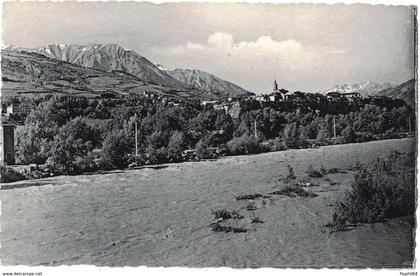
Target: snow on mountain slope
[[365, 89], [110, 57]]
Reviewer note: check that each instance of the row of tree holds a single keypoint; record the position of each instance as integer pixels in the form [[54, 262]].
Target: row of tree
[[74, 134]]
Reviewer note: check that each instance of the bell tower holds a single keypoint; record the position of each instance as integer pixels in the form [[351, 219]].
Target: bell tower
[[276, 87]]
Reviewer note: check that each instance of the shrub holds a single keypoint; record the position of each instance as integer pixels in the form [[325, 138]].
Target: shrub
[[291, 136], [225, 214], [257, 220], [217, 227], [244, 145], [202, 150], [86, 163], [30, 146], [175, 145], [115, 150], [157, 156], [247, 197], [251, 206], [335, 170], [293, 191], [382, 189], [313, 173], [276, 144], [348, 134], [291, 174], [74, 140], [10, 175]]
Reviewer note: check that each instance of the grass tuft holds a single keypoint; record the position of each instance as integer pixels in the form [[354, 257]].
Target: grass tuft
[[225, 214]]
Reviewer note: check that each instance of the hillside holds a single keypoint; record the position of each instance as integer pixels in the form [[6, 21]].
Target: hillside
[[110, 57], [406, 91], [208, 82], [29, 73]]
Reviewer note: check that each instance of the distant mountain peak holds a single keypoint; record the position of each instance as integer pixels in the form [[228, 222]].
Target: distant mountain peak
[[367, 88], [111, 57]]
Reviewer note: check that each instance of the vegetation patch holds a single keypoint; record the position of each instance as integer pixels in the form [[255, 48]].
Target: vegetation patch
[[257, 220], [247, 197], [251, 206], [293, 191], [384, 188], [10, 175], [217, 227], [336, 170], [291, 175], [314, 173], [225, 214]]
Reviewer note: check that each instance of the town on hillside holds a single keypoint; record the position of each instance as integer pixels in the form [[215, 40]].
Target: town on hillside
[[16, 110]]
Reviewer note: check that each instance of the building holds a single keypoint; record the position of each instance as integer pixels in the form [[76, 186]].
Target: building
[[351, 95], [262, 98], [298, 94], [18, 109], [150, 95], [7, 144], [333, 95], [278, 94], [338, 95], [206, 103], [275, 97]]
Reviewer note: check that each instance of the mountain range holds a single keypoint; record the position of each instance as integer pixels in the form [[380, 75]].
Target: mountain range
[[405, 91], [95, 69], [365, 89], [114, 59]]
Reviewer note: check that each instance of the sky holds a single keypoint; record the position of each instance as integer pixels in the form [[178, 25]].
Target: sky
[[306, 47]]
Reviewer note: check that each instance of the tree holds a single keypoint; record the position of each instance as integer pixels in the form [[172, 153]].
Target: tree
[[202, 150], [176, 145], [291, 135], [348, 134], [322, 135], [74, 140], [31, 148], [115, 149]]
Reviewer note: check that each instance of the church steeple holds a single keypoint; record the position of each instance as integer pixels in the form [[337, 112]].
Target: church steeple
[[276, 87]]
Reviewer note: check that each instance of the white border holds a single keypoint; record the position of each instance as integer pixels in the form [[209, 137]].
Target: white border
[[141, 270]]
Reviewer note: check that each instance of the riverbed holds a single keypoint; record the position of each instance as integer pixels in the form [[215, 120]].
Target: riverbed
[[161, 217]]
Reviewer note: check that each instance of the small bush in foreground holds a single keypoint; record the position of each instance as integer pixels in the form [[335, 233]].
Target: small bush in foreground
[[244, 145], [293, 191], [257, 220], [225, 214], [251, 206], [217, 227], [385, 188], [10, 175], [313, 173], [247, 197], [291, 174]]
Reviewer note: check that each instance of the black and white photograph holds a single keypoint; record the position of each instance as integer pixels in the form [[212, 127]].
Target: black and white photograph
[[208, 135]]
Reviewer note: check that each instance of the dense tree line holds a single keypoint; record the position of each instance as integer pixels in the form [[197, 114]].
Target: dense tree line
[[74, 134]]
